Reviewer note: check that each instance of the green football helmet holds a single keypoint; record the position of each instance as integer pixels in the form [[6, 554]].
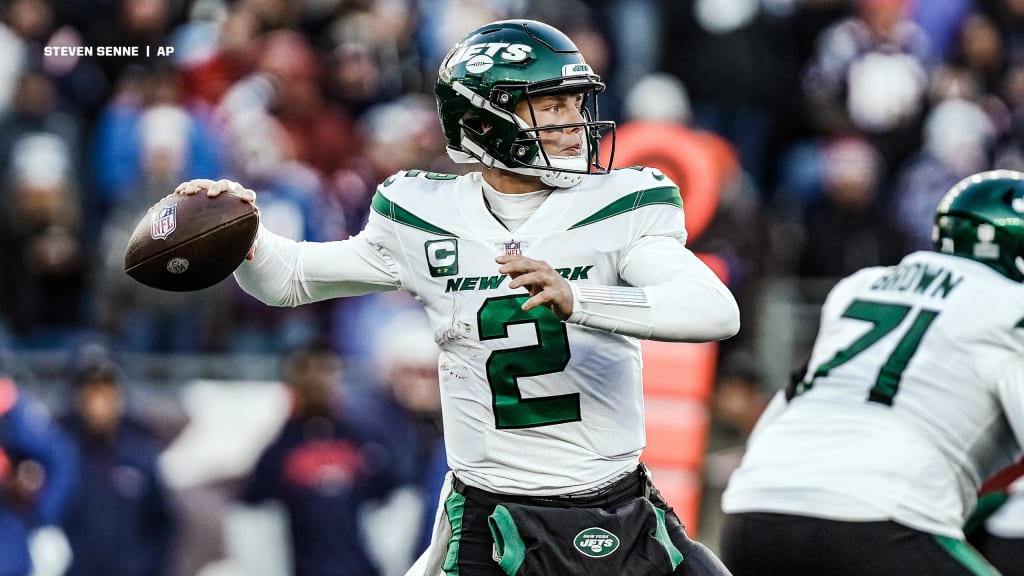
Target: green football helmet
[[489, 72], [981, 218]]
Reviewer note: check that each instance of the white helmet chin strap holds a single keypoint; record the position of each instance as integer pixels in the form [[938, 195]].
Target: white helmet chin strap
[[473, 152]]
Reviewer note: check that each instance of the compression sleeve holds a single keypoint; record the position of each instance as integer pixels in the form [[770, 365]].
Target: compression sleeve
[[288, 273], [672, 296], [1010, 389]]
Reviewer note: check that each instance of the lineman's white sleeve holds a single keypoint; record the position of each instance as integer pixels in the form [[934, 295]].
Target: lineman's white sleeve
[[1010, 388], [288, 273], [672, 296]]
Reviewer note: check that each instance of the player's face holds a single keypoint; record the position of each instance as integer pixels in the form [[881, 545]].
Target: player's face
[[553, 110]]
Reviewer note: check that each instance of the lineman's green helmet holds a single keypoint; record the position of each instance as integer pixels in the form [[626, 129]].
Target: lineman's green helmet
[[981, 218]]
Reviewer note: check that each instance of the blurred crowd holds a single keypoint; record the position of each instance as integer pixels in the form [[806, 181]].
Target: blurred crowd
[[311, 474], [831, 128]]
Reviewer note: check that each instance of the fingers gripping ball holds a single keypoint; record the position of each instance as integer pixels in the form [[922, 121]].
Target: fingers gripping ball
[[191, 242]]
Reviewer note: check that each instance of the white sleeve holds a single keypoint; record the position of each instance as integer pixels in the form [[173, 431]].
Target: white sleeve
[[672, 296], [1010, 389], [288, 273]]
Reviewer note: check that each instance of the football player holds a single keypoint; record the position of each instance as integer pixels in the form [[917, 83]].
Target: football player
[[539, 273], [914, 394]]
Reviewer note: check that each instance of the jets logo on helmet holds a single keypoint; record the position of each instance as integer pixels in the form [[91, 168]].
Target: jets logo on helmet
[[981, 218], [480, 58], [490, 73]]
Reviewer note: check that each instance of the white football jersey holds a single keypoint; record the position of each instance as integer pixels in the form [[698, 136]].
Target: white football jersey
[[914, 395], [532, 405]]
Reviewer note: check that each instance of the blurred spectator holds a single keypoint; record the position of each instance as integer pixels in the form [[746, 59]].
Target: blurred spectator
[[121, 521], [1009, 149], [15, 57], [136, 23], [635, 38], [979, 60], [403, 133], [38, 468], [41, 245], [31, 20], [323, 468], [1009, 14], [737, 61], [148, 136], [869, 74], [847, 228], [35, 109], [406, 410], [957, 137], [372, 55], [216, 50], [319, 133]]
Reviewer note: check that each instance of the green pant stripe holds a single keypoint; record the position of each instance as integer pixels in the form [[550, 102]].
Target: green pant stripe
[[453, 506], [965, 554]]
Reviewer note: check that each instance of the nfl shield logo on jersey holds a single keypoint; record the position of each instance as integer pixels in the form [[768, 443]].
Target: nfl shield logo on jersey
[[164, 222], [513, 248]]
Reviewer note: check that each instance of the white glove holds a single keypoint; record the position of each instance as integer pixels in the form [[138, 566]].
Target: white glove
[[50, 551]]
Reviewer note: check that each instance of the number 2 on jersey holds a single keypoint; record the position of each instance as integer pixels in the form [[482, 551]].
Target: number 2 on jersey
[[504, 367], [886, 318]]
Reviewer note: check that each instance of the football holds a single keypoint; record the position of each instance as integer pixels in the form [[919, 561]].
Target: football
[[191, 242]]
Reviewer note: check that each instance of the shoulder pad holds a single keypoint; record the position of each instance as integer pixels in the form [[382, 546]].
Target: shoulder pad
[[625, 181], [418, 175], [647, 173]]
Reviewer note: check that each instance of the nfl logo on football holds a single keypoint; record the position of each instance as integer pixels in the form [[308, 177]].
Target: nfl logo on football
[[164, 222]]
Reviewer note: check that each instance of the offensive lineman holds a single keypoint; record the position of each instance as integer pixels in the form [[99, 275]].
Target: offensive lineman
[[914, 394], [538, 274]]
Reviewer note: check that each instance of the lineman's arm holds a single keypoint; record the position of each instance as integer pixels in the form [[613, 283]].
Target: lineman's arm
[[672, 296], [288, 273], [1010, 390]]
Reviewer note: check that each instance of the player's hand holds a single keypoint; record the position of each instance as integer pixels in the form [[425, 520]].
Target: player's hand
[[214, 188], [545, 285]]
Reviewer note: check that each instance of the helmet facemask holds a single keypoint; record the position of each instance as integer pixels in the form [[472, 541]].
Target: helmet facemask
[[493, 134]]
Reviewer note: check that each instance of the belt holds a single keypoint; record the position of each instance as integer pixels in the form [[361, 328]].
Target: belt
[[625, 487]]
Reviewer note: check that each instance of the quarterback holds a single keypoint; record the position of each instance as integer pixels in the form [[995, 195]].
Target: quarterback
[[913, 395], [539, 273]]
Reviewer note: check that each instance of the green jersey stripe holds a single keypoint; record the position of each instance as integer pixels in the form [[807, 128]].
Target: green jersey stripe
[[661, 195], [392, 211]]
